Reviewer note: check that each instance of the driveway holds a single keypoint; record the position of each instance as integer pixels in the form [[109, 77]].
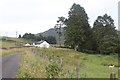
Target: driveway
[[9, 65]]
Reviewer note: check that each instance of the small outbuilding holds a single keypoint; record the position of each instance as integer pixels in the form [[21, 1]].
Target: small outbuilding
[[42, 44]]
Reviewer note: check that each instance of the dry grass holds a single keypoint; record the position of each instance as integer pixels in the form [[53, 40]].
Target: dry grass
[[33, 64], [30, 65]]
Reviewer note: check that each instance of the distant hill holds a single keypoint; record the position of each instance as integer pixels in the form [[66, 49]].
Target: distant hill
[[52, 32]]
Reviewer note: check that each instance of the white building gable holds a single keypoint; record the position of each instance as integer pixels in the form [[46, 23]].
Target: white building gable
[[27, 44], [44, 44]]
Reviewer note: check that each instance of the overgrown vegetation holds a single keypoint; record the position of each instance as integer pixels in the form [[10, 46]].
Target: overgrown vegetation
[[39, 63], [53, 70]]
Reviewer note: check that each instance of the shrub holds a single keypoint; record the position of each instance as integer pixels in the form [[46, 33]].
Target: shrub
[[53, 70]]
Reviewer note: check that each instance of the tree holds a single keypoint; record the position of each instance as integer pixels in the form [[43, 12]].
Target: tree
[[29, 36], [19, 36], [118, 48], [39, 37], [25, 36], [105, 35], [77, 30], [50, 39], [58, 28]]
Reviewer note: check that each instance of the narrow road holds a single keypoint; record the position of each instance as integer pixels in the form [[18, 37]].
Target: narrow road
[[10, 65]]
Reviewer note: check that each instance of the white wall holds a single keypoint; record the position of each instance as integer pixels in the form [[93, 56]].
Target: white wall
[[44, 45]]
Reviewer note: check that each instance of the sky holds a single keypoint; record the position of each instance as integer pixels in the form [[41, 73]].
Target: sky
[[35, 16]]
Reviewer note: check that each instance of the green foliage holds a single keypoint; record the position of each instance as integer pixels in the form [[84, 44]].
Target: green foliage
[[50, 39], [3, 38], [20, 36], [53, 70], [118, 49], [58, 28], [33, 37], [39, 37], [77, 30], [102, 38], [104, 20], [24, 74], [29, 36], [105, 35], [108, 43]]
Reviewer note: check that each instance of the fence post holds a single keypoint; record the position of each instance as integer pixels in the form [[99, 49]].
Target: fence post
[[112, 76], [41, 55], [77, 70], [61, 63]]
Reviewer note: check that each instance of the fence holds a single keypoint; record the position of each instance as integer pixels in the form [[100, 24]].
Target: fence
[[112, 76]]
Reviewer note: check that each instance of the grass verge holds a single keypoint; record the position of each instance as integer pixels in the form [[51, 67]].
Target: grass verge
[[34, 60]]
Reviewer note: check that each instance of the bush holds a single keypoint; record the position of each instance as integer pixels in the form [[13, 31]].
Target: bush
[[53, 70]]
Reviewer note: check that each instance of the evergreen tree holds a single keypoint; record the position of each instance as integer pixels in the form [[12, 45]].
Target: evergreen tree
[[105, 35], [77, 30]]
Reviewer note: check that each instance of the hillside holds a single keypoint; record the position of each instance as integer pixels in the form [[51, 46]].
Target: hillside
[[52, 32]]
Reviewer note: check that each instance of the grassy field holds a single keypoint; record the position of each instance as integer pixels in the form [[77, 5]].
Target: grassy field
[[33, 61], [12, 39], [9, 43]]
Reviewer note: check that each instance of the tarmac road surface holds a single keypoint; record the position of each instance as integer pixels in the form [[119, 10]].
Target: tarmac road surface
[[10, 65]]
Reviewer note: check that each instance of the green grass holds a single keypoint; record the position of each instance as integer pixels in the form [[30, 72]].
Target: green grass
[[34, 60], [12, 39], [91, 65], [11, 42]]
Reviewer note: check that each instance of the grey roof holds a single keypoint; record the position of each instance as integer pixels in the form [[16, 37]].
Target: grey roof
[[39, 42]]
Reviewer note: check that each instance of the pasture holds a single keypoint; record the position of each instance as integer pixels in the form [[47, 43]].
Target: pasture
[[33, 61], [10, 45]]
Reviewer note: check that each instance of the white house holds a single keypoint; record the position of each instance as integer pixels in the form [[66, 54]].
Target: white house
[[45, 44], [42, 44], [27, 44]]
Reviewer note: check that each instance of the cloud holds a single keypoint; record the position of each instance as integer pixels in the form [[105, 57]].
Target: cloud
[[39, 15]]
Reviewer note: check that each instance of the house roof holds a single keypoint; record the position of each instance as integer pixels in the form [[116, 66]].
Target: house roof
[[39, 42]]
